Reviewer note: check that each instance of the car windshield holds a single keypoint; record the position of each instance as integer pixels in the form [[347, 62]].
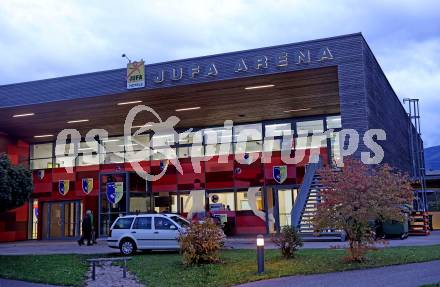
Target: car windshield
[[182, 222]]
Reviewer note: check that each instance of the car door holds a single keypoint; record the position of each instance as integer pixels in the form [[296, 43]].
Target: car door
[[143, 232], [166, 233]]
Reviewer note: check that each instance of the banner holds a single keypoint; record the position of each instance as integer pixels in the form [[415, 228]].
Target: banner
[[136, 75]]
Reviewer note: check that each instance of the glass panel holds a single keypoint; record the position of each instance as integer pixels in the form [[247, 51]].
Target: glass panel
[[142, 223], [162, 140], [250, 132], [70, 219], [64, 149], [123, 223], [316, 141], [335, 147], [114, 144], [246, 147], [41, 150], [140, 142], [41, 163], [90, 159], [334, 122], [68, 161], [164, 153], [285, 205], [270, 209], [55, 220], [193, 203], [139, 202], [221, 201], [272, 145], [277, 130], [117, 157], [218, 149], [243, 201], [310, 127], [88, 147], [133, 156], [217, 135]]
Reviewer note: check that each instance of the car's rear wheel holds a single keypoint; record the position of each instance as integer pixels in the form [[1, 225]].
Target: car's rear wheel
[[127, 247]]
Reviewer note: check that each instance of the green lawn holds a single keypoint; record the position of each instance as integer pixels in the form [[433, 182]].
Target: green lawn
[[165, 269]]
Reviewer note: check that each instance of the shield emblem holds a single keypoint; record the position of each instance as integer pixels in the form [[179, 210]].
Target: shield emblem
[[279, 173], [63, 187], [163, 164], [115, 191], [87, 185], [40, 174]]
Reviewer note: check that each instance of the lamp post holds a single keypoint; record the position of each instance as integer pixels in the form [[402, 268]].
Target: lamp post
[[260, 253]]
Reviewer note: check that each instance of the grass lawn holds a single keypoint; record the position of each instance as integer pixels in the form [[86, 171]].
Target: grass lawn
[[165, 269], [52, 269]]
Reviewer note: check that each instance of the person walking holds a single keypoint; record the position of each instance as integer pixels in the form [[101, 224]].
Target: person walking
[[86, 229], [93, 233]]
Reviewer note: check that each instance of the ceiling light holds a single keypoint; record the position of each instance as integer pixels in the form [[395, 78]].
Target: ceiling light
[[187, 109], [297, 110], [23, 115], [43, 136], [259, 87], [129, 103], [110, 140], [85, 148], [148, 125], [77, 121]]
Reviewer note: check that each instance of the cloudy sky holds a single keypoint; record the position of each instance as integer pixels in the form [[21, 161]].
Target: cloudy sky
[[49, 38]]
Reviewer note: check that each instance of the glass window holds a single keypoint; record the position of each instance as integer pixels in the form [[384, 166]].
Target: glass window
[[65, 149], [139, 202], [123, 223], [91, 159], [88, 147], [247, 147], [162, 140], [164, 153], [182, 222], [109, 157], [161, 223], [310, 127], [41, 163], [250, 132], [140, 142], [217, 135], [114, 144], [142, 223], [67, 161], [253, 202], [139, 155], [278, 130], [221, 201], [272, 145], [315, 141], [334, 122], [41, 150], [335, 147], [218, 149]]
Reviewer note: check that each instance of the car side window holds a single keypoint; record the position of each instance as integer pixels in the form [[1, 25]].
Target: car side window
[[162, 223], [142, 223], [123, 223]]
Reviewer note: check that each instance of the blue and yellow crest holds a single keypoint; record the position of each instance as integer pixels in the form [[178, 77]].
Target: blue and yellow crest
[[87, 185], [63, 187], [279, 173]]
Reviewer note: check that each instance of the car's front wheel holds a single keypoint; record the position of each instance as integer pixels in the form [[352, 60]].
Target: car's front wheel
[[127, 247]]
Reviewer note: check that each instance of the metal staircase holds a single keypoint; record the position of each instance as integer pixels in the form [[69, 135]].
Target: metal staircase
[[304, 209]]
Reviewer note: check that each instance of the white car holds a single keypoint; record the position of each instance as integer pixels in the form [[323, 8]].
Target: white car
[[146, 232]]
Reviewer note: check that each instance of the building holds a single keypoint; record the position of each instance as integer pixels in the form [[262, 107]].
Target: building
[[307, 87]]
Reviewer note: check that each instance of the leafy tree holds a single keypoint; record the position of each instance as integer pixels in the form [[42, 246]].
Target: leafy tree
[[358, 194], [15, 184]]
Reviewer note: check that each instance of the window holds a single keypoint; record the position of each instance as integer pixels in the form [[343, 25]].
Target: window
[[243, 200], [41, 156], [123, 223], [310, 127], [251, 132], [247, 147], [161, 223], [221, 201], [334, 122], [142, 223], [182, 222], [217, 135], [278, 130]]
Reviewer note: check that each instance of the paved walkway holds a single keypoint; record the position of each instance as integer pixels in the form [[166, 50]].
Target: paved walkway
[[409, 275], [71, 247], [16, 283]]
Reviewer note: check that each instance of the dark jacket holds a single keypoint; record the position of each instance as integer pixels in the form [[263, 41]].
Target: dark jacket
[[87, 224]]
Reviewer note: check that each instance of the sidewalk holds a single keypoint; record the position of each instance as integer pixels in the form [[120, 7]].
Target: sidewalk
[[33, 247], [408, 275], [16, 283]]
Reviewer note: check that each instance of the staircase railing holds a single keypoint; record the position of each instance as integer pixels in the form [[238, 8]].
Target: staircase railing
[[303, 193]]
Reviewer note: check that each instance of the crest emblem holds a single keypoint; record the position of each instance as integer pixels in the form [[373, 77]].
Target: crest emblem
[[40, 174], [279, 173], [115, 191], [163, 164], [63, 187], [87, 185]]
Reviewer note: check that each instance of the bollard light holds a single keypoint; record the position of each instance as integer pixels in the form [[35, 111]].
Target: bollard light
[[260, 253]]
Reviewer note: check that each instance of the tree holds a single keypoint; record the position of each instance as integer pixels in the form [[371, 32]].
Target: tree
[[15, 184], [357, 194]]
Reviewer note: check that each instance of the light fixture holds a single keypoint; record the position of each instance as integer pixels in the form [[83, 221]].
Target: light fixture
[[23, 115], [147, 125], [259, 87], [260, 253], [297, 110], [77, 121], [43, 136], [85, 148], [187, 109], [110, 140], [129, 103]]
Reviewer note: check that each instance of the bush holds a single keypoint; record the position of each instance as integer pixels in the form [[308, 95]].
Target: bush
[[201, 243], [288, 240]]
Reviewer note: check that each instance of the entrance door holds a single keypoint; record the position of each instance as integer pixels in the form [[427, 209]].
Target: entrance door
[[280, 202], [61, 220]]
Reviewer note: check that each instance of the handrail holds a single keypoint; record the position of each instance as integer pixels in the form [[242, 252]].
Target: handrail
[[303, 193]]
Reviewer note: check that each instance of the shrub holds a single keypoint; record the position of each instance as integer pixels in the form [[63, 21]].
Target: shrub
[[288, 241], [201, 243]]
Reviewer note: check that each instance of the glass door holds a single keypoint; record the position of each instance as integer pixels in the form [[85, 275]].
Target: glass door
[[280, 202], [61, 220]]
